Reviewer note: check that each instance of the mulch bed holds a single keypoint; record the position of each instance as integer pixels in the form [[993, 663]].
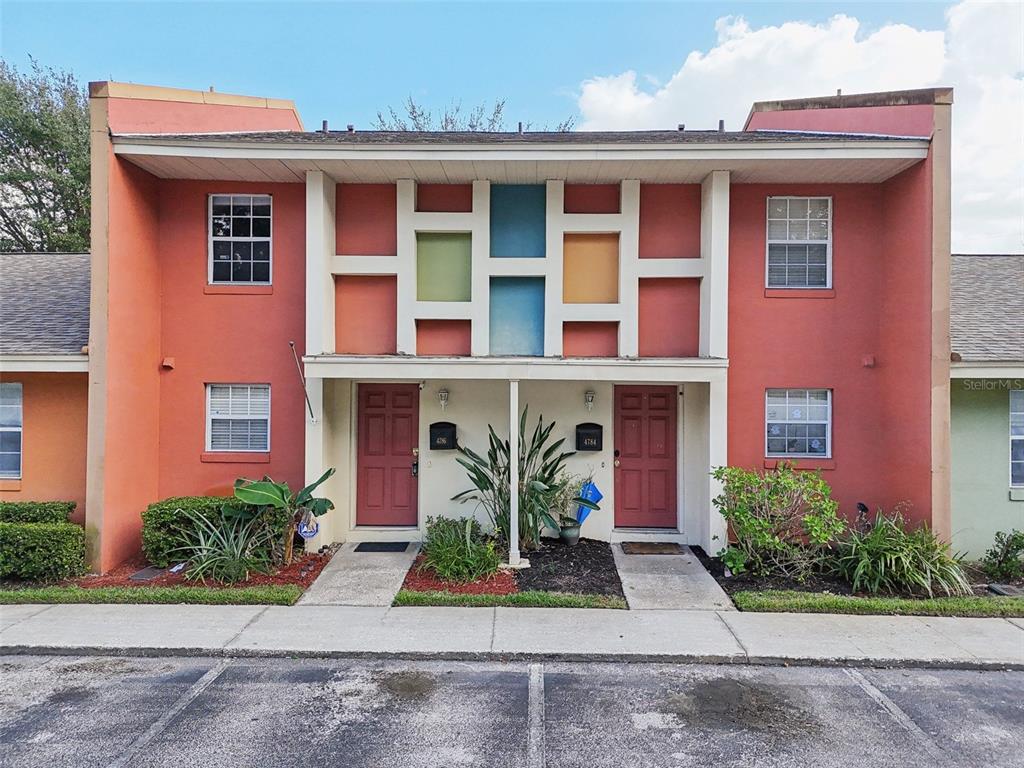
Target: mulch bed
[[586, 569], [420, 579], [303, 571]]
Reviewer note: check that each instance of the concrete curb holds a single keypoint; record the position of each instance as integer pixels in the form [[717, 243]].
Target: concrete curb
[[618, 658]]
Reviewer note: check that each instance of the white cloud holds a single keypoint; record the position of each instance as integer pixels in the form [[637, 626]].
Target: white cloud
[[979, 53]]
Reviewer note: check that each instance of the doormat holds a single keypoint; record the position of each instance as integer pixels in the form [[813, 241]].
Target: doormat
[[382, 546], [651, 548]]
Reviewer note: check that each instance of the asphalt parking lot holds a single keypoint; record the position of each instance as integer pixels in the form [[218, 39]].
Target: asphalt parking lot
[[155, 712]]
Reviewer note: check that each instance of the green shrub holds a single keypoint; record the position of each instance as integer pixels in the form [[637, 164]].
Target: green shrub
[[456, 550], [226, 548], [168, 526], [890, 558], [1005, 560], [41, 551], [36, 511], [782, 520]]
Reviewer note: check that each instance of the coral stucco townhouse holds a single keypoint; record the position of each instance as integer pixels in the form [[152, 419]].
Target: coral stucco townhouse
[[675, 300]]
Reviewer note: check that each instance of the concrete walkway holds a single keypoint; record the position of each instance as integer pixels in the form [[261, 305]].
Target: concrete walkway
[[673, 582], [361, 578], [513, 633]]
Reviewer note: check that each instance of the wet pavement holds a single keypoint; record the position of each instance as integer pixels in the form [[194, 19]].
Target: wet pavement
[[119, 712]]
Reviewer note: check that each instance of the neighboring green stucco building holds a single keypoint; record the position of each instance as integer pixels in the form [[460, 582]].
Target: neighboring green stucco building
[[987, 399]]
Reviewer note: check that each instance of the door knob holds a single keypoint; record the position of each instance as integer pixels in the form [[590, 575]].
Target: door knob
[[616, 462]]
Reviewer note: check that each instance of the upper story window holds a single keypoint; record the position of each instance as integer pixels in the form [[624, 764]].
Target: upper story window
[[1017, 437], [798, 423], [11, 421], [238, 417], [240, 251], [799, 242]]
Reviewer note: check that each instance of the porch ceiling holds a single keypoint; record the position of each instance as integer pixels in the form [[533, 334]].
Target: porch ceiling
[[804, 162], [617, 370]]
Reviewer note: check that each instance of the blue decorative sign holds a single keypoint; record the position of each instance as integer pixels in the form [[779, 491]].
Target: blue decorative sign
[[308, 530]]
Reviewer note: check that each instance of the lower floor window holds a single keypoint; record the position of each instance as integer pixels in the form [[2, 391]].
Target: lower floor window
[[238, 417], [11, 422], [798, 422], [1017, 437]]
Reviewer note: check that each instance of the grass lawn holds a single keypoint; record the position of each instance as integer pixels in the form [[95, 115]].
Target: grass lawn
[[285, 594], [821, 602], [534, 599]]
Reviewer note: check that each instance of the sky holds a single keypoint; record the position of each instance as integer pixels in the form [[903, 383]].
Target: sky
[[609, 65]]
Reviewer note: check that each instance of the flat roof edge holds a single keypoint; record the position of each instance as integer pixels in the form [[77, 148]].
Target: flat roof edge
[[943, 95]]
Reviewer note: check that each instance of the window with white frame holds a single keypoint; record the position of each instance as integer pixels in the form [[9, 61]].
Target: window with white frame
[[799, 242], [798, 422], [238, 417], [11, 423], [240, 249], [1017, 437]]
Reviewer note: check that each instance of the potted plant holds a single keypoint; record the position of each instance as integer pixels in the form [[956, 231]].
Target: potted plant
[[569, 530], [578, 497]]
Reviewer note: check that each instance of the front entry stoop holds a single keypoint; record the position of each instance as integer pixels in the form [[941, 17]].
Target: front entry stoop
[[669, 582], [361, 578]]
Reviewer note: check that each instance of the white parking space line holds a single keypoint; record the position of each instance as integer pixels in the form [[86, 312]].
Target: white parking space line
[[535, 736]]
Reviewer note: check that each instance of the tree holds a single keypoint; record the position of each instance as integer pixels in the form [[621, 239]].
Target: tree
[[413, 116], [44, 160]]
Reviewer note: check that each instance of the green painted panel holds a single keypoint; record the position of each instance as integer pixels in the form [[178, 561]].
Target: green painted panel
[[980, 431], [443, 266]]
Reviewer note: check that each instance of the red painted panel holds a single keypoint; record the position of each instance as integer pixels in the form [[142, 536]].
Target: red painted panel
[[366, 315], [444, 198], [669, 221], [899, 120], [128, 115], [591, 198], [388, 426], [443, 337], [645, 457], [590, 339], [669, 317], [366, 219]]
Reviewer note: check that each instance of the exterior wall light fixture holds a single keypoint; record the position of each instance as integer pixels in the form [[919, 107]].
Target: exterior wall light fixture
[[442, 398], [588, 399]]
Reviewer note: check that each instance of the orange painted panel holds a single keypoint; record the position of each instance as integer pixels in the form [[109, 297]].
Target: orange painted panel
[[444, 198], [591, 198], [54, 417], [155, 116], [443, 337], [669, 221], [591, 268], [366, 219], [366, 315], [669, 317], [590, 339]]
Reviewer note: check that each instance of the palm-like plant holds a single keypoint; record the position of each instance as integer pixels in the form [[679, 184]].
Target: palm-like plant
[[300, 506], [227, 549], [541, 477]]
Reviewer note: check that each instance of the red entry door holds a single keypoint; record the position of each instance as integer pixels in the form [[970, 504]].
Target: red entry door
[[645, 457], [388, 439]]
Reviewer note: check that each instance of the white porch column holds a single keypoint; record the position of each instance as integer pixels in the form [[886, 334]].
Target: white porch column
[[314, 448], [320, 251], [714, 252], [513, 473], [718, 424]]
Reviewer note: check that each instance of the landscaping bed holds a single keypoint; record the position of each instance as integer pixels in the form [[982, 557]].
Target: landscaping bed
[[559, 576]]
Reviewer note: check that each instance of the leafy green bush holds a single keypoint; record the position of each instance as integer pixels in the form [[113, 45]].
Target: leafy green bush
[[456, 549], [36, 511], [41, 551], [890, 558], [226, 547], [1005, 560], [782, 520], [168, 525]]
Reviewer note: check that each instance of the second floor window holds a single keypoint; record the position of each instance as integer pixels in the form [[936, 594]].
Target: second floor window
[[240, 248], [799, 242]]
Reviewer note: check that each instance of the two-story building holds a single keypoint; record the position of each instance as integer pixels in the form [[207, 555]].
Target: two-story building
[[692, 298]]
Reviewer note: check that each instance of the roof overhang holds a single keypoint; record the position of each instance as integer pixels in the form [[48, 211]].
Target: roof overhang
[[806, 161], [619, 370], [988, 370], [44, 363]]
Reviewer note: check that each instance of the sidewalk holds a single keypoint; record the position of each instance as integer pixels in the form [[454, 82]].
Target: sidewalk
[[514, 633]]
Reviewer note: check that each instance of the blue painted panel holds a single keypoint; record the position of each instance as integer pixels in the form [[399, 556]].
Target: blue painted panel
[[517, 316], [517, 220]]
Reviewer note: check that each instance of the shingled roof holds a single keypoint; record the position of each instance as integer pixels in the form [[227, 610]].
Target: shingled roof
[[44, 303], [987, 310]]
